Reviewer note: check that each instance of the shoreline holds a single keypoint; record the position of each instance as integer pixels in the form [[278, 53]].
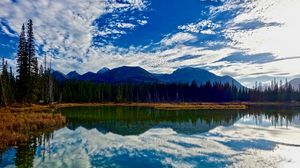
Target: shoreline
[[18, 125], [187, 106], [164, 106]]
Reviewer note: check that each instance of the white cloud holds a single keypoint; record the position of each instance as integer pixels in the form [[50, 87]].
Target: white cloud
[[63, 28], [140, 4], [8, 32], [142, 22], [178, 38], [204, 27], [209, 31], [228, 5], [125, 25], [268, 26], [281, 40]]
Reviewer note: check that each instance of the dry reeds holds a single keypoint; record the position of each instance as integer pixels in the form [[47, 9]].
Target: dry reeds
[[168, 106], [18, 126]]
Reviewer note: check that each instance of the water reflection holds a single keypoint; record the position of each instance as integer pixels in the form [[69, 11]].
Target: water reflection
[[123, 121], [23, 155], [137, 120]]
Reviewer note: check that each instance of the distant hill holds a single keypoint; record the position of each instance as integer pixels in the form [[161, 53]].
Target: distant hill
[[73, 75], [126, 74], [187, 75], [138, 74], [295, 83], [103, 70], [89, 76], [59, 76]]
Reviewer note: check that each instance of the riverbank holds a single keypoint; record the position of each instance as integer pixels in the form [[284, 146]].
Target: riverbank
[[19, 125], [176, 106], [170, 106], [189, 106], [166, 106]]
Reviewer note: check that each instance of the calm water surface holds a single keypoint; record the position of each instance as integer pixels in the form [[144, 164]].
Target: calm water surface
[[147, 137]]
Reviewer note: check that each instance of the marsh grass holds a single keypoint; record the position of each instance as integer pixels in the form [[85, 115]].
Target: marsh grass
[[168, 106], [201, 106], [19, 125]]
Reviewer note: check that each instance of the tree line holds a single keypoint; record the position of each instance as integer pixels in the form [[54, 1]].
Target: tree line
[[35, 84], [32, 82], [82, 91]]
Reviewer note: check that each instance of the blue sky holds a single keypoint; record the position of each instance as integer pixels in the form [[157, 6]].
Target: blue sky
[[247, 39]]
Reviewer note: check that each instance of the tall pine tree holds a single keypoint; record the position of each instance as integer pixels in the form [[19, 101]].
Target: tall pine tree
[[4, 83], [35, 81], [12, 84], [32, 63], [22, 82], [27, 78]]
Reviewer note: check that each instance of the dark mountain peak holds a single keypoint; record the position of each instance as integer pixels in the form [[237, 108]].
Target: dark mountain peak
[[128, 73], [295, 80], [88, 73], [88, 76], [138, 74], [73, 74], [295, 83], [190, 74], [103, 70], [130, 70], [191, 70], [59, 75]]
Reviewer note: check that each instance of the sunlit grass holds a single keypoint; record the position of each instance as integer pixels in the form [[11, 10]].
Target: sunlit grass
[[170, 106], [19, 125]]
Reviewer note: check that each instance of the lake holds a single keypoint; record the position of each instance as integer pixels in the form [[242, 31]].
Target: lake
[[146, 137]]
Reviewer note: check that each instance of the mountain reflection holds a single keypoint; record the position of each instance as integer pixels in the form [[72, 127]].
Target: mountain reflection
[[137, 120]]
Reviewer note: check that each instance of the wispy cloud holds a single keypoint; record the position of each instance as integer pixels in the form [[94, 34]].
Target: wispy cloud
[[204, 27], [63, 29], [178, 38]]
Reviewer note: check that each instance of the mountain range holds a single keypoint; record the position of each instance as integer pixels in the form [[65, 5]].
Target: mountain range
[[295, 83], [138, 74]]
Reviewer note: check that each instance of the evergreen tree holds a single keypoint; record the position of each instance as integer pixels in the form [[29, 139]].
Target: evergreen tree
[[32, 63], [35, 81], [22, 82], [12, 84], [41, 96], [1, 100], [4, 83]]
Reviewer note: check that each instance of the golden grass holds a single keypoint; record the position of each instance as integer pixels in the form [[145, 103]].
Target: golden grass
[[19, 125], [204, 106], [168, 106]]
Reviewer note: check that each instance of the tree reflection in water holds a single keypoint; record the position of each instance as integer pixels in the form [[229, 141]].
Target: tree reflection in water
[[23, 154], [137, 120]]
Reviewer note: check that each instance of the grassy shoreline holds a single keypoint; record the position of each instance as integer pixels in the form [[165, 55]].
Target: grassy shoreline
[[175, 106], [169, 106], [187, 106], [18, 125]]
